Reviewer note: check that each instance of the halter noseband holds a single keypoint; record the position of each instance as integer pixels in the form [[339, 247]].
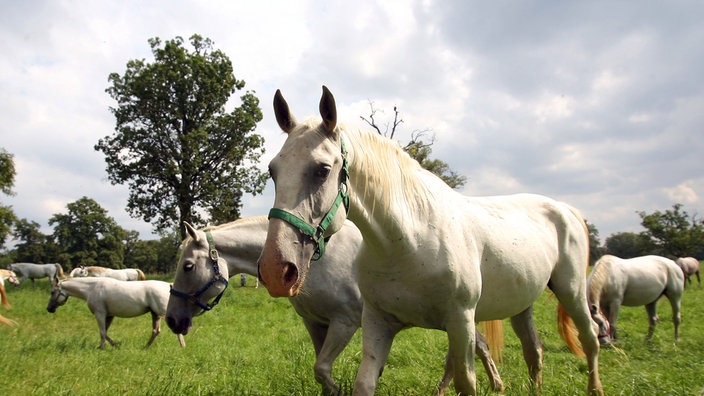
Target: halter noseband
[[217, 277], [316, 234]]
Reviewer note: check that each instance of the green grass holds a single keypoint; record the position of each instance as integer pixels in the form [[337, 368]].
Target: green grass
[[252, 344]]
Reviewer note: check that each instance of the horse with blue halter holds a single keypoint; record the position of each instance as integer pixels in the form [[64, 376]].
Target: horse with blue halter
[[37, 271], [123, 274], [330, 305], [108, 298], [689, 266], [488, 258], [638, 281]]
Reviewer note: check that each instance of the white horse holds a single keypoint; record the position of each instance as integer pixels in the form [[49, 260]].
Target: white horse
[[689, 266], [124, 274], [633, 282], [36, 271], [330, 305], [108, 298], [487, 258]]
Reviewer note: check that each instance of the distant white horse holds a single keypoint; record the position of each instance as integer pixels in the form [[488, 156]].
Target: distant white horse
[[125, 274], [108, 298], [486, 258], [330, 305], [36, 271], [689, 266], [633, 282]]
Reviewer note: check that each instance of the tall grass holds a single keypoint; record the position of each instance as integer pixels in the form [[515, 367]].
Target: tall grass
[[252, 344]]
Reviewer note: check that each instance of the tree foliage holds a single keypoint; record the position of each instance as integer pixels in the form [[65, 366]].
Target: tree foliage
[[182, 155], [88, 236], [7, 181], [417, 148], [628, 245], [674, 232]]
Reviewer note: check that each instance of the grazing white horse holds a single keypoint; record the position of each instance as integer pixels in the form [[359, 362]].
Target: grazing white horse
[[36, 271], [689, 266], [108, 298], [487, 258], [633, 282], [330, 305], [124, 274]]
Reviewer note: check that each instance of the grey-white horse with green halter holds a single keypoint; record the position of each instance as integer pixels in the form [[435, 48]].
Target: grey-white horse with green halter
[[488, 258]]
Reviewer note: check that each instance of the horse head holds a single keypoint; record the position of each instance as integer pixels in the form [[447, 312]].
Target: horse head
[[13, 279], [57, 299], [600, 319], [311, 202], [200, 276]]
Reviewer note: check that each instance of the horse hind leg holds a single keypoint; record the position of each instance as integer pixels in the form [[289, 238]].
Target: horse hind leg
[[524, 327], [156, 328], [653, 318]]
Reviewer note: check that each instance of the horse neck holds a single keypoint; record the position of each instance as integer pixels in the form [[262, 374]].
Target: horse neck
[[240, 243], [78, 288]]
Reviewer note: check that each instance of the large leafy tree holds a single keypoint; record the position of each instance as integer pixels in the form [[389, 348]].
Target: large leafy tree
[[674, 232], [7, 181], [88, 235], [183, 156]]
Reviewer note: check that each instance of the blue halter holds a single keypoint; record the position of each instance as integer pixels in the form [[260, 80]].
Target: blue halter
[[217, 277]]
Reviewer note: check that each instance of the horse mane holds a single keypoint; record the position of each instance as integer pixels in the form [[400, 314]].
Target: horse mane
[[388, 171], [598, 279]]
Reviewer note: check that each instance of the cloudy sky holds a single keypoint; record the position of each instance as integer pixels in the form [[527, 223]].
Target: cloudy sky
[[598, 103]]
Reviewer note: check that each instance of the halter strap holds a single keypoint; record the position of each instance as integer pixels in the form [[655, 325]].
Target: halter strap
[[316, 234], [217, 277]]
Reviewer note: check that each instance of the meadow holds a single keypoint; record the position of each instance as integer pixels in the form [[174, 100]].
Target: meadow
[[252, 344]]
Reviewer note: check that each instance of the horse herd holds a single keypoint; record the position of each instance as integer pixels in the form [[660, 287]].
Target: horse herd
[[488, 258]]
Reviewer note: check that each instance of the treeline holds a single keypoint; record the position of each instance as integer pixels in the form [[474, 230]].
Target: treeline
[[86, 235], [671, 233]]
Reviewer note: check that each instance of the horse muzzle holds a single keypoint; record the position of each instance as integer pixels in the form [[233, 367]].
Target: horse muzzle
[[179, 326]]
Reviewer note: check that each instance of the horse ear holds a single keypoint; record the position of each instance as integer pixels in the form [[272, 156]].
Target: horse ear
[[191, 230], [283, 115], [328, 110]]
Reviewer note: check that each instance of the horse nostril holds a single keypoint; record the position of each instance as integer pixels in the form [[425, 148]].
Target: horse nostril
[[290, 274]]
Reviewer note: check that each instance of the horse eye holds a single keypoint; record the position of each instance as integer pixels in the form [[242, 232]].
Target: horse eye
[[188, 267], [323, 171]]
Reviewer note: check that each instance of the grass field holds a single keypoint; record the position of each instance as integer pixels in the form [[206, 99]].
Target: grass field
[[252, 344]]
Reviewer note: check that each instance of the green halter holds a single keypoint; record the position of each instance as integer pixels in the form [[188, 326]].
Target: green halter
[[317, 233]]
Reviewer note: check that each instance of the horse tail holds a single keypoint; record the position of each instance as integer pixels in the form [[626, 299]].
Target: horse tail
[[7, 322], [565, 325], [568, 331], [59, 271], [140, 274], [493, 331], [3, 297]]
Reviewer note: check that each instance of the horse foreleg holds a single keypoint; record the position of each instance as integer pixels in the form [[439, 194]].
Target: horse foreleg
[[675, 302], [334, 339], [156, 328], [104, 323], [378, 332], [524, 327], [461, 339], [653, 318]]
